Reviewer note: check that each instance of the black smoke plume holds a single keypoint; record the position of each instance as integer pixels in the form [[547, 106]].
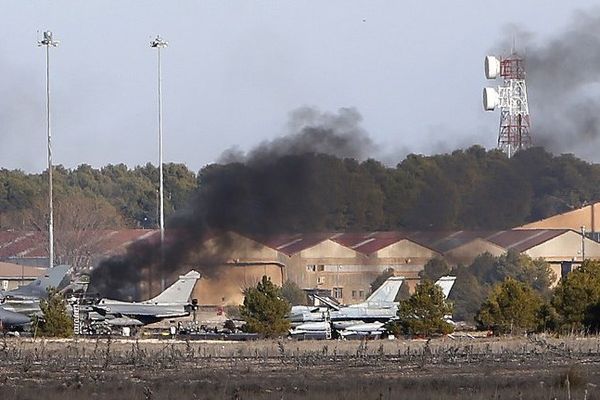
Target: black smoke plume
[[563, 76], [268, 190], [313, 132]]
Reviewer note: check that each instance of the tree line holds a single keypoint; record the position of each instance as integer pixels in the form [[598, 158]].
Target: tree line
[[465, 189]]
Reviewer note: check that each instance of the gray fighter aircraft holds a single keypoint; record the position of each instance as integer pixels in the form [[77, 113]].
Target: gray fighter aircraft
[[38, 289], [18, 305], [367, 318], [10, 320], [171, 303]]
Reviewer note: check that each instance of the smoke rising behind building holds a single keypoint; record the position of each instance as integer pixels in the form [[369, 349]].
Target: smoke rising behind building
[[268, 190]]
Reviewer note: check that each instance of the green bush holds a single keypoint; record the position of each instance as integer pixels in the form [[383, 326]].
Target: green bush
[[423, 313], [293, 294], [577, 298], [511, 307], [264, 309], [55, 321]]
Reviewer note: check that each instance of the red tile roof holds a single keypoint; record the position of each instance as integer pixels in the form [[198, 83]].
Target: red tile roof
[[16, 244]]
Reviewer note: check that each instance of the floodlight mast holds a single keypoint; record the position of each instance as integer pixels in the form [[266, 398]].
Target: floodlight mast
[[48, 42], [159, 43], [511, 98]]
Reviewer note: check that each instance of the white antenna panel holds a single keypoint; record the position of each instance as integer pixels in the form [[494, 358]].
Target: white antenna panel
[[492, 67], [491, 99]]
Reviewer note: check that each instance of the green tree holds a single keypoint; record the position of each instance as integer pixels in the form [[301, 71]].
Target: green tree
[[292, 293], [474, 283], [423, 313], [264, 309], [577, 297], [434, 269], [55, 321], [511, 307], [381, 278]]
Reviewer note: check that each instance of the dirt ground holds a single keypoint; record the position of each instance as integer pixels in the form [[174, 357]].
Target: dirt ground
[[537, 367]]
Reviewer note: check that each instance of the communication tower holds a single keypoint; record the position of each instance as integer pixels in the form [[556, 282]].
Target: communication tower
[[511, 99]]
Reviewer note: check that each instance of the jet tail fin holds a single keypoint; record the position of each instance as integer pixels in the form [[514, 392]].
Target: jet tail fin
[[386, 293], [39, 287], [180, 291], [446, 283]]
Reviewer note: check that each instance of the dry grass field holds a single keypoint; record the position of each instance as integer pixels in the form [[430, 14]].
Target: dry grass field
[[510, 368]]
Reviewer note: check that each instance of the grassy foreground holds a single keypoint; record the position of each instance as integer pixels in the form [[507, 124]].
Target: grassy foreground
[[511, 368]]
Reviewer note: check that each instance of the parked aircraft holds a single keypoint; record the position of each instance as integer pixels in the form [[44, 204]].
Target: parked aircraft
[[38, 289], [367, 318], [171, 303], [18, 305], [10, 320], [379, 305]]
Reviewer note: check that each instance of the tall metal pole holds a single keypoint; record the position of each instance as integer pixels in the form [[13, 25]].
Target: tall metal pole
[[583, 243], [158, 44], [49, 42]]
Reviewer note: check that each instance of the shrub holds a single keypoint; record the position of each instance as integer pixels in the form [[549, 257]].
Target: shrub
[[55, 321], [264, 309], [424, 312], [511, 307]]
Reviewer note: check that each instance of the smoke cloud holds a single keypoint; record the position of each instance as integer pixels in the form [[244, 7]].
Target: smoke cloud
[[563, 76], [268, 190], [310, 131]]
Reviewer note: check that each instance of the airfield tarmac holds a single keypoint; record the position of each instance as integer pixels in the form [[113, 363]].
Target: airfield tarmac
[[537, 367]]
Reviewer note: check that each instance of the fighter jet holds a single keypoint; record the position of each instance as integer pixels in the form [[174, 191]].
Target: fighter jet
[[18, 305], [379, 305], [171, 303], [367, 318], [38, 289], [10, 320]]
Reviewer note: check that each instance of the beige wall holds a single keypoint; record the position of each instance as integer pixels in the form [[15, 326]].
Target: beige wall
[[235, 246], [406, 251], [227, 287], [588, 216], [466, 253], [566, 247]]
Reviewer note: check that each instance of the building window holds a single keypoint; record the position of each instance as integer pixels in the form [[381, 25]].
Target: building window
[[361, 294], [354, 294], [4, 285], [311, 267], [320, 280], [320, 268], [338, 293]]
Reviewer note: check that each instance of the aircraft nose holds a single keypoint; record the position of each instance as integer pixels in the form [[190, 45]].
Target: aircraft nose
[[9, 318]]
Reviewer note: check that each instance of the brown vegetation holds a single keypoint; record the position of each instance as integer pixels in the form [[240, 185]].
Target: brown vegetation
[[531, 368]]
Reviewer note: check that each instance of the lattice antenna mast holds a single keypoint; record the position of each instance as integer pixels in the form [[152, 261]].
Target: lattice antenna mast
[[511, 99]]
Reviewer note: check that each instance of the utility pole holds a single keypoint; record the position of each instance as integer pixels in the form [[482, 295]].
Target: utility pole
[[158, 44], [48, 41], [582, 243]]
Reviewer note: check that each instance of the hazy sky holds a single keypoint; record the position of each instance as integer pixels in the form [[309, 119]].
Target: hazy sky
[[234, 70]]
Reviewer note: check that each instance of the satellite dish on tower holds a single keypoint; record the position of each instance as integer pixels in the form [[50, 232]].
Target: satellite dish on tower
[[492, 67], [491, 99]]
